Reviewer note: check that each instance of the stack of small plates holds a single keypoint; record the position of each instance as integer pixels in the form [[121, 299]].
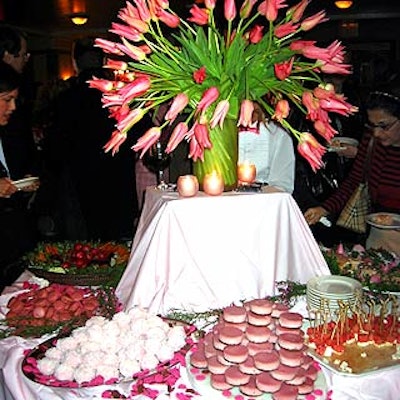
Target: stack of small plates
[[332, 292]]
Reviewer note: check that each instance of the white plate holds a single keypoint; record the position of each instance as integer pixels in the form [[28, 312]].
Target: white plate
[[334, 284], [342, 142], [23, 183], [394, 220]]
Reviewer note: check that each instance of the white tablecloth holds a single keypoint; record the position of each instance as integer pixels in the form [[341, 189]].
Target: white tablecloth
[[206, 252]]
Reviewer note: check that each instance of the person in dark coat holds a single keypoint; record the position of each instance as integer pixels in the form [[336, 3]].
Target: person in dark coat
[[104, 185]]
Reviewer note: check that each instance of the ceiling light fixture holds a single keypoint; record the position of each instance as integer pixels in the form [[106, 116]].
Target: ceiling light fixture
[[79, 18], [343, 4]]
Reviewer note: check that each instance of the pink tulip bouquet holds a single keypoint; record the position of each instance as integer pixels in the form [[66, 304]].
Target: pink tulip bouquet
[[209, 70]]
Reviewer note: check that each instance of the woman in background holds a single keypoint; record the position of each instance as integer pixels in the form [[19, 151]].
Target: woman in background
[[383, 123], [17, 232]]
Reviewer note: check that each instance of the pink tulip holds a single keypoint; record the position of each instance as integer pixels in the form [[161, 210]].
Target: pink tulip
[[134, 52], [210, 4], [178, 134], [103, 85], [311, 104], [129, 11], [283, 69], [126, 31], [162, 3], [342, 69], [281, 110], [246, 113], [256, 34], [285, 29], [171, 20], [199, 15], [311, 150], [147, 140], [297, 10], [108, 46], [269, 8], [337, 103], [178, 105], [117, 138], [208, 97], [136, 88], [310, 22], [202, 135], [116, 64], [230, 10], [300, 45], [111, 100], [246, 8], [136, 23], [143, 10], [195, 150], [324, 129], [219, 115], [131, 119]]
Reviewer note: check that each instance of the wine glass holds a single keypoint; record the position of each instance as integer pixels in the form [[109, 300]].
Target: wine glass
[[157, 160]]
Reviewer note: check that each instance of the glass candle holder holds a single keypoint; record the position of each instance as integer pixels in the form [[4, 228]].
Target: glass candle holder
[[187, 185], [213, 184], [246, 173]]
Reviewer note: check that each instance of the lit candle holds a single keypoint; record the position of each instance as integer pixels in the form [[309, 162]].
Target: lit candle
[[246, 173], [213, 184], [187, 185]]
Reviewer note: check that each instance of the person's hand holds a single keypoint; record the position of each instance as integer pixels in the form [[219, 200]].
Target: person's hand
[[314, 214], [348, 152], [7, 188]]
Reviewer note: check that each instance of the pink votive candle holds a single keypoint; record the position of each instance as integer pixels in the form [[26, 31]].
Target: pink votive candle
[[187, 185], [213, 184], [246, 172]]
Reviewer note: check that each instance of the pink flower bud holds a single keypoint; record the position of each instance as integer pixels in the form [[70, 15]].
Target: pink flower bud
[[230, 10]]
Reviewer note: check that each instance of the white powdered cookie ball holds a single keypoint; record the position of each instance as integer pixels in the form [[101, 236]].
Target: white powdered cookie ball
[[156, 332], [96, 320], [67, 344], [153, 345], [95, 358], [149, 361], [111, 329], [84, 373], [90, 347], [176, 337], [122, 319], [47, 366], [80, 334], [54, 352], [136, 313], [72, 358], [165, 353], [107, 371], [128, 367], [110, 359], [64, 372], [96, 333]]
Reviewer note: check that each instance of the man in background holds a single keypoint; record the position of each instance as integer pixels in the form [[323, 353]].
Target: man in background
[[104, 185]]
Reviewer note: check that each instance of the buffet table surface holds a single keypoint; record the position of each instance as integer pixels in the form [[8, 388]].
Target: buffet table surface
[[14, 385], [208, 251]]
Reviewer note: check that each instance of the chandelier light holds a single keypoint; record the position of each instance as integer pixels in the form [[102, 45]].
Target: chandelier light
[[343, 4], [79, 18]]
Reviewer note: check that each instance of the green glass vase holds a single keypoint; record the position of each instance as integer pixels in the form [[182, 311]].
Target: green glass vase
[[222, 157]]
